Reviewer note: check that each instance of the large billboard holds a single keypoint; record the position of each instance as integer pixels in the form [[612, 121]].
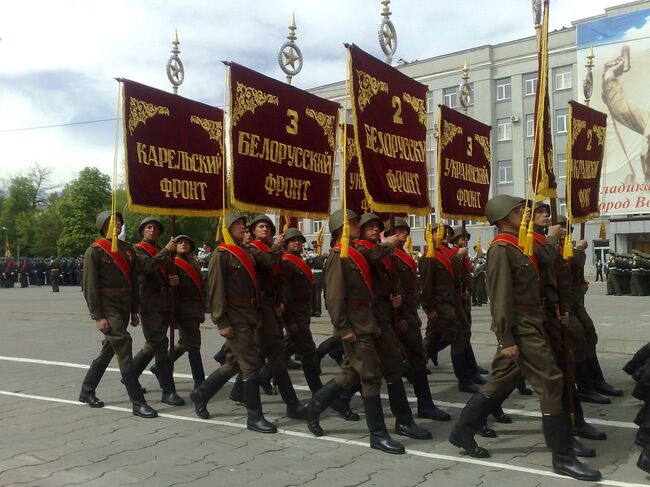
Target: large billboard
[[621, 46]]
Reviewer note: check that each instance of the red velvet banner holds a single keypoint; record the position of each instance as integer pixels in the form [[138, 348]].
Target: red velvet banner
[[463, 166], [283, 141], [390, 125], [585, 152], [355, 198], [173, 153]]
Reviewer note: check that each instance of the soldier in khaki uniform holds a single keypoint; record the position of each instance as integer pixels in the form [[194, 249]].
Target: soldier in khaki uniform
[[189, 307], [153, 267], [349, 300], [111, 293], [234, 301], [518, 323], [409, 328]]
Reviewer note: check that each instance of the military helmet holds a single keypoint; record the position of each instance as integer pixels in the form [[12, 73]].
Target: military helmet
[[542, 204], [336, 219], [261, 218], [498, 207], [103, 217], [294, 233], [150, 219], [399, 222], [233, 217], [185, 237], [458, 232], [368, 217]]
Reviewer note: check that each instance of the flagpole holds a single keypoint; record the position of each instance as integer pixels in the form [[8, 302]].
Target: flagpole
[[587, 89]]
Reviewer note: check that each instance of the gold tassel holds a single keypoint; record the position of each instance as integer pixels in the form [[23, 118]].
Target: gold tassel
[[408, 245], [112, 231], [217, 237], [528, 249], [227, 239], [440, 235], [479, 249], [522, 232], [345, 238], [602, 234], [568, 249], [430, 249], [319, 241]]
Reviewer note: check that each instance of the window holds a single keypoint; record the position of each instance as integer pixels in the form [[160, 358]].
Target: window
[[450, 97], [336, 190], [561, 121], [563, 78], [561, 206], [505, 171], [530, 84], [430, 105], [413, 221], [316, 225], [301, 226], [529, 168], [432, 179], [504, 129], [503, 89], [530, 125], [349, 116], [560, 172]]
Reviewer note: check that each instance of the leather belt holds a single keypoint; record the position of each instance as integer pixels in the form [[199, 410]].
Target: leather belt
[[357, 303], [240, 300], [522, 308], [115, 290], [444, 286]]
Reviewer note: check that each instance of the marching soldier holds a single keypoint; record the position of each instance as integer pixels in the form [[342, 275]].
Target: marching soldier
[[111, 292], [349, 292], [234, 294], [517, 320], [409, 333], [55, 273], [153, 279], [189, 308], [479, 297], [25, 267]]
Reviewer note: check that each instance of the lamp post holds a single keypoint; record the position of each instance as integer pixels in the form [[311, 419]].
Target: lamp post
[[6, 241]]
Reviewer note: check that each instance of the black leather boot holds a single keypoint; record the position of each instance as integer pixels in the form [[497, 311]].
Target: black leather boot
[[523, 389], [133, 388], [237, 391], [640, 416], [202, 394], [472, 418], [342, 404], [264, 380], [586, 391], [295, 407], [196, 364], [322, 398], [140, 362], [255, 420], [89, 384], [558, 438], [465, 379], [638, 359], [220, 356], [399, 405], [473, 369], [379, 437], [166, 381], [581, 427], [581, 450], [311, 375], [599, 383], [426, 407], [500, 416], [178, 353], [644, 460]]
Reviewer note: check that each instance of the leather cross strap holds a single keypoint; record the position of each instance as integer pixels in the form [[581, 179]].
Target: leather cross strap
[[514, 241], [408, 260], [300, 264], [117, 257], [445, 261], [243, 257], [152, 251], [388, 264], [361, 263], [187, 268]]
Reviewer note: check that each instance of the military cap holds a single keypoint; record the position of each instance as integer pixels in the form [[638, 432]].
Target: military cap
[[458, 232], [150, 219], [232, 218], [336, 219], [262, 218], [368, 217], [294, 233], [499, 206], [399, 222], [103, 217], [185, 237], [542, 204]]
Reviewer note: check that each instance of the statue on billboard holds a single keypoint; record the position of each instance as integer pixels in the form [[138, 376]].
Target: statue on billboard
[[625, 111]]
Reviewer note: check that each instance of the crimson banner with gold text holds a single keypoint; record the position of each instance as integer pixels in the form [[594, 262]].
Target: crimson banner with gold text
[[173, 153], [585, 152], [283, 142], [355, 198], [390, 125], [463, 166]]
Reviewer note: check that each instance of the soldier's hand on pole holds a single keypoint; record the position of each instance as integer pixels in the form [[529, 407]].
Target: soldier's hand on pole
[[582, 244], [173, 280], [432, 315], [350, 337], [279, 310], [555, 231], [102, 325], [393, 241], [279, 240], [463, 251], [396, 301], [135, 319], [564, 319], [171, 245], [511, 352], [227, 332]]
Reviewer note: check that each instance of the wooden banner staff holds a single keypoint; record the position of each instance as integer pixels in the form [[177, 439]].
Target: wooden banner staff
[[176, 75], [587, 88]]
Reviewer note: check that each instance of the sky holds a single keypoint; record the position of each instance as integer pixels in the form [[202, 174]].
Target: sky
[[58, 60]]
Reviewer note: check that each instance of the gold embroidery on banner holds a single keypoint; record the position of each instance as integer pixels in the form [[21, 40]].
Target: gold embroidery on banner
[[418, 105], [485, 143], [369, 86], [449, 131], [576, 127], [599, 130], [212, 127], [247, 99], [325, 121], [141, 111], [351, 149]]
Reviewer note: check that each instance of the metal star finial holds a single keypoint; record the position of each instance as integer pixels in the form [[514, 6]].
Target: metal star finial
[[175, 69], [465, 90], [290, 54], [387, 34]]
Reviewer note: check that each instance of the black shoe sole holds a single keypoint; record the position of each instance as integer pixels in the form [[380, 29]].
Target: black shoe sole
[[94, 405], [577, 477], [269, 431], [480, 453], [401, 451], [146, 416]]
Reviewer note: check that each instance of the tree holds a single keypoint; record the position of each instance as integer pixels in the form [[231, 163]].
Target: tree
[[81, 202]]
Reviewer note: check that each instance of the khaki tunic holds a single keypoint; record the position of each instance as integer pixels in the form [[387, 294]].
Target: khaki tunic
[[298, 310], [189, 308], [110, 296]]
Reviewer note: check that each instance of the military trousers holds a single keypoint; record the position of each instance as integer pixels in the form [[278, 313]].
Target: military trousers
[[446, 329], [270, 340], [391, 354], [360, 364], [242, 353], [536, 363], [588, 328], [154, 328], [413, 347], [575, 335], [190, 333], [301, 342], [117, 341]]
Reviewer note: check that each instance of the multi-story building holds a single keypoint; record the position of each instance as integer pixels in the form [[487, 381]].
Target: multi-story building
[[504, 78]]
